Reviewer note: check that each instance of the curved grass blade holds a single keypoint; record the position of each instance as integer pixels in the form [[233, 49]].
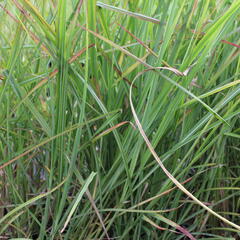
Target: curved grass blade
[[169, 175]]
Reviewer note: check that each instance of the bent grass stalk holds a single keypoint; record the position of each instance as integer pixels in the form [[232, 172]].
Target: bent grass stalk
[[169, 175]]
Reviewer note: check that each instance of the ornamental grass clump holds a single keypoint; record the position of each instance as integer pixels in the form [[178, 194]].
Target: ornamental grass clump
[[119, 119]]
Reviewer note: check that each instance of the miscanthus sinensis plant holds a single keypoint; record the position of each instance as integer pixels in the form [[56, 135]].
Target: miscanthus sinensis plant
[[119, 119]]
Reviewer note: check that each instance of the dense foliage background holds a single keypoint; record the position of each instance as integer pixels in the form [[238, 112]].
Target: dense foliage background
[[73, 164]]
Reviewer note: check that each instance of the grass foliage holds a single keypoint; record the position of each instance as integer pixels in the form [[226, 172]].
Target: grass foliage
[[74, 163]]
